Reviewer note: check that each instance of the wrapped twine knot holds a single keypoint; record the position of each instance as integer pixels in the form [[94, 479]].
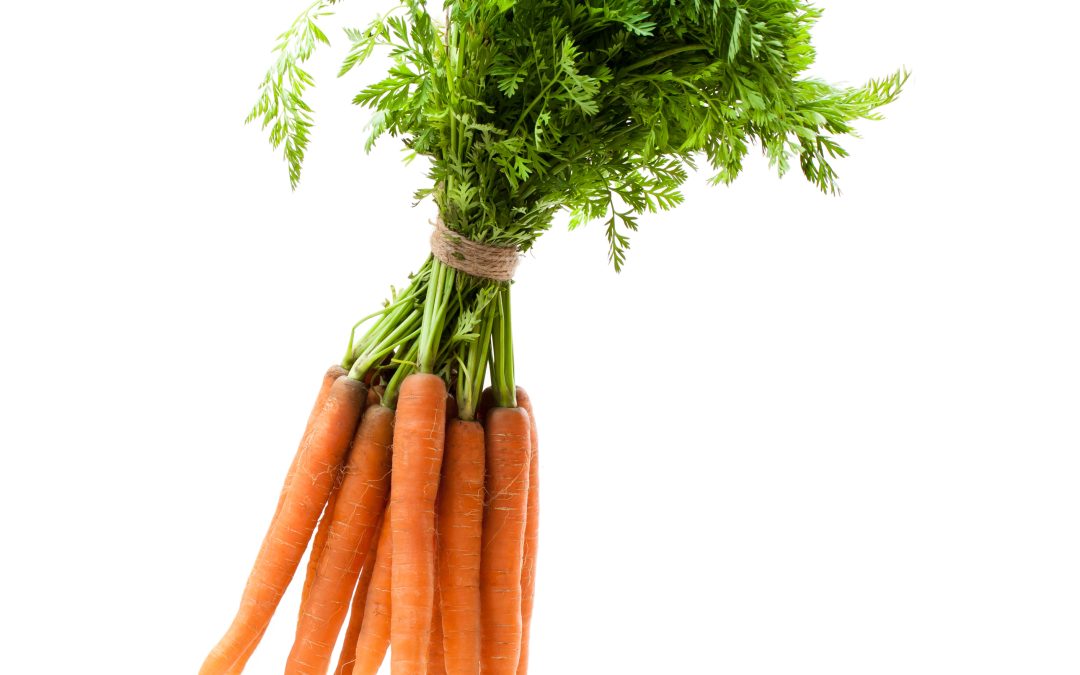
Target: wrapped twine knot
[[475, 259]]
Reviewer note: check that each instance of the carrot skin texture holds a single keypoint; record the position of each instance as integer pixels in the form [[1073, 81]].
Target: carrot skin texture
[[508, 449], [370, 649], [418, 448], [318, 542], [347, 657], [329, 377], [532, 532], [461, 522], [320, 457], [361, 501], [436, 654]]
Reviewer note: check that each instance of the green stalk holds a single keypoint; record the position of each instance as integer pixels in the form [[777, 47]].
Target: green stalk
[[407, 367], [390, 318], [434, 320], [502, 353], [403, 332], [470, 381]]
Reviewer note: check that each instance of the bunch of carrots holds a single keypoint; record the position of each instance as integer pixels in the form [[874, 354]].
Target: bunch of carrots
[[437, 564], [425, 478]]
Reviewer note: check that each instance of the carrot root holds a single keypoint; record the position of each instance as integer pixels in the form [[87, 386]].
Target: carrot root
[[319, 459], [418, 449], [508, 451]]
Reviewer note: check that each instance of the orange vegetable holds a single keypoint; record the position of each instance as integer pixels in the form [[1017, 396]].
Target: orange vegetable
[[508, 449], [532, 530], [319, 459], [359, 506], [418, 450], [461, 518]]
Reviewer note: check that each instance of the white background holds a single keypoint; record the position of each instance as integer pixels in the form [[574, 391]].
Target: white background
[[799, 434]]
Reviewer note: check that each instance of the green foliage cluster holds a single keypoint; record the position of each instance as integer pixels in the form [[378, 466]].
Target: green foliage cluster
[[525, 107]]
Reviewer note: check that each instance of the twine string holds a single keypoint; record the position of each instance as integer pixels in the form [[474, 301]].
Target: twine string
[[497, 263]]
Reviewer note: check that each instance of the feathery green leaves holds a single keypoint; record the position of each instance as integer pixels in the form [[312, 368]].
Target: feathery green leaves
[[599, 107], [280, 106]]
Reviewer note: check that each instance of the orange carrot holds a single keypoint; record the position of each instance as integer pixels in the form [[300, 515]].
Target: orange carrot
[[532, 529], [347, 657], [360, 503], [320, 456], [418, 449], [370, 648], [508, 448], [332, 374], [461, 513]]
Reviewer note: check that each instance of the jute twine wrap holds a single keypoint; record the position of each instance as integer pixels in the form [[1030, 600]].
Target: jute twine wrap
[[479, 260]]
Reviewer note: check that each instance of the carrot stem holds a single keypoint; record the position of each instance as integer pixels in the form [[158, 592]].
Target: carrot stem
[[434, 320], [471, 378], [392, 316], [502, 353], [407, 367]]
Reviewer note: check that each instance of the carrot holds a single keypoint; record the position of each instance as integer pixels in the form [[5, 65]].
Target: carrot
[[506, 437], [320, 457], [347, 657], [332, 374], [360, 503], [370, 648], [532, 529], [461, 513], [418, 449]]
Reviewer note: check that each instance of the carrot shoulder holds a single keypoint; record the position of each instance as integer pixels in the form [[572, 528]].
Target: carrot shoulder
[[319, 459], [508, 449], [360, 503], [329, 377], [418, 449], [461, 518]]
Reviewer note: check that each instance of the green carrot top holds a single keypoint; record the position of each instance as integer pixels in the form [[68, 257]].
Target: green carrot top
[[530, 106]]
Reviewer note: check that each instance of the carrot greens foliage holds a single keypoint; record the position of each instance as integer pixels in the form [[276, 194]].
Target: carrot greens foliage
[[599, 107]]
